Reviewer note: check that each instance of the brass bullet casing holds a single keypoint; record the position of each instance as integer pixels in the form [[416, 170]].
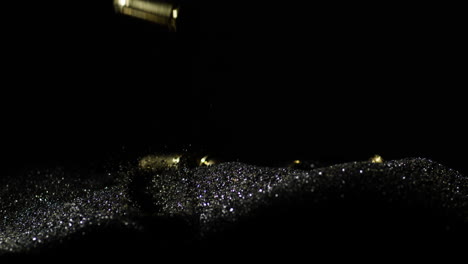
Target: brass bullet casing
[[164, 13], [158, 162]]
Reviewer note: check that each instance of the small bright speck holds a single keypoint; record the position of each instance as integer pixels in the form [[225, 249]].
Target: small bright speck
[[122, 2], [376, 159], [175, 13], [203, 160], [297, 162]]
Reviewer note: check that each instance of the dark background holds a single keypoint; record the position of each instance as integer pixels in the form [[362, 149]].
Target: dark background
[[262, 84]]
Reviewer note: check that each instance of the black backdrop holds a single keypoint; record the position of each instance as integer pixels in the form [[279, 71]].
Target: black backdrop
[[82, 85]]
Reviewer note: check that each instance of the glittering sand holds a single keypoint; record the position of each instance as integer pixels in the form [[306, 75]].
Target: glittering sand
[[209, 208]]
